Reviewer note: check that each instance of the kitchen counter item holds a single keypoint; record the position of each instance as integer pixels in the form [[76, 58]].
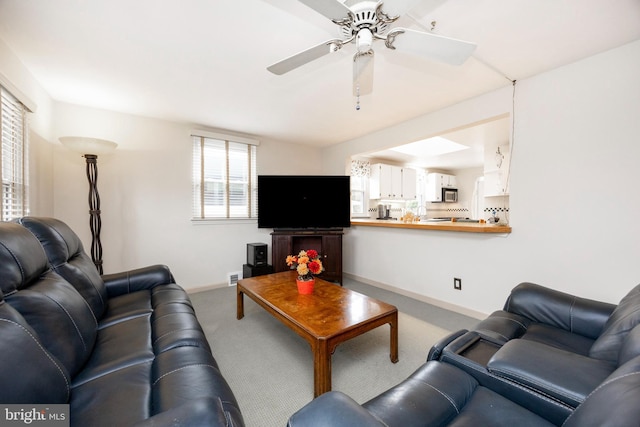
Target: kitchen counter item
[[476, 221]]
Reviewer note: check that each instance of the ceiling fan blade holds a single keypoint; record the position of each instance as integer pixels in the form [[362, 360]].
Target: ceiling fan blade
[[332, 9], [432, 46], [363, 73], [306, 56], [398, 7]]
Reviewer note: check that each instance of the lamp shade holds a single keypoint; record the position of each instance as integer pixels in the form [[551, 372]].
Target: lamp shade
[[85, 145]]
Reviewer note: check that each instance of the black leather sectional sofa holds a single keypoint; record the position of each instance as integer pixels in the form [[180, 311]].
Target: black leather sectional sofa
[[546, 359], [122, 349]]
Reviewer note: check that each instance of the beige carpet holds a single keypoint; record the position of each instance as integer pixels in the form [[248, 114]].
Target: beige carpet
[[270, 368]]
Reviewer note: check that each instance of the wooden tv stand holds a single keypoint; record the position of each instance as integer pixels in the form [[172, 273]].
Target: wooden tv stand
[[328, 243]]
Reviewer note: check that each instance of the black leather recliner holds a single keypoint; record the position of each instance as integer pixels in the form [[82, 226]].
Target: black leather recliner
[[578, 325], [548, 358], [439, 394], [549, 344], [123, 349]]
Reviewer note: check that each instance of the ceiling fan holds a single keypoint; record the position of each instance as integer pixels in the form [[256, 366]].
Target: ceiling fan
[[362, 23]]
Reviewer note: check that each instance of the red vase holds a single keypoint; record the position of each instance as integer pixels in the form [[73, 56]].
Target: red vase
[[305, 287]]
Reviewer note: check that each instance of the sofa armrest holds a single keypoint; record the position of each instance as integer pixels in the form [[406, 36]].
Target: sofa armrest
[[333, 409], [502, 326], [436, 350], [200, 412], [136, 280], [565, 376], [558, 309]]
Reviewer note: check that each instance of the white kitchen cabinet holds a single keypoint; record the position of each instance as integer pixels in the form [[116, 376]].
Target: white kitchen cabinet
[[409, 183], [392, 182], [435, 183], [495, 184], [448, 181], [380, 181]]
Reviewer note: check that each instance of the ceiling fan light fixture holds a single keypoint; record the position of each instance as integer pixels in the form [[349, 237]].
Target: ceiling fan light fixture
[[364, 40]]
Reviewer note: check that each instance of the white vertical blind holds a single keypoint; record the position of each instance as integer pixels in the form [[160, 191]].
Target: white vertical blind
[[224, 179], [14, 156]]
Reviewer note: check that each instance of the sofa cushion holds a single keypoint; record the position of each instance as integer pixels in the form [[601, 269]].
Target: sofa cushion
[[487, 408], [44, 378], [333, 409], [436, 390], [614, 402], [22, 258], [630, 347], [558, 309], [60, 317], [126, 307], [66, 255], [183, 373], [57, 313], [118, 346], [176, 325], [558, 338], [624, 318], [120, 398], [562, 375], [439, 394]]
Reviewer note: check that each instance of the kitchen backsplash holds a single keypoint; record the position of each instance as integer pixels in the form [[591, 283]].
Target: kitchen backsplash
[[441, 210]]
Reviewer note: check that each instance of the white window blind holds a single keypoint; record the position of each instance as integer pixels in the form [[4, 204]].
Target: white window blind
[[14, 156], [224, 179]]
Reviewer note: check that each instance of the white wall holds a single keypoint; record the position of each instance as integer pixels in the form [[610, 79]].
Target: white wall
[[574, 197], [15, 77], [145, 192]]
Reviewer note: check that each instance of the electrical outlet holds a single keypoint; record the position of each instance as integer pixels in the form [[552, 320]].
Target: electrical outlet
[[457, 284]]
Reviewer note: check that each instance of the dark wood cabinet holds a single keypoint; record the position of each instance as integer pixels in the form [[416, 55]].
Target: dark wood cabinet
[[328, 243]]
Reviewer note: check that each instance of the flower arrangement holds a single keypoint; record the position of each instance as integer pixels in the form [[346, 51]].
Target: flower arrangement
[[306, 263]]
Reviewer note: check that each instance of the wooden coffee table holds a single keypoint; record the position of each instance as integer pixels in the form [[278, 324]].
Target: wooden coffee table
[[326, 318]]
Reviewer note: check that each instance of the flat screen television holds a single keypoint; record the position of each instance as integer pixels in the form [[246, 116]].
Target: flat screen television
[[304, 201]]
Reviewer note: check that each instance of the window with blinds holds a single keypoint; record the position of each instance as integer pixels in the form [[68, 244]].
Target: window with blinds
[[14, 157], [224, 178]]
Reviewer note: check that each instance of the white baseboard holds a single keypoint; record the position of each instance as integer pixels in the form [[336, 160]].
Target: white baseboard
[[206, 288], [438, 303]]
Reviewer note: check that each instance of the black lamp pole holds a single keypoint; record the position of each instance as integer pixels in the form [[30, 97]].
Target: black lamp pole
[[95, 224], [84, 145]]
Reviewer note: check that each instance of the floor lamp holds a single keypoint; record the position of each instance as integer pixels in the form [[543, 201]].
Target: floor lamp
[[90, 148]]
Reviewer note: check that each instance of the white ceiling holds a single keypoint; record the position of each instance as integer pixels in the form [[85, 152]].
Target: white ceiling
[[204, 61]]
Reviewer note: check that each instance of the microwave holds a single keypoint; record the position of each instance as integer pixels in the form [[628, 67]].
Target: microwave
[[449, 195]]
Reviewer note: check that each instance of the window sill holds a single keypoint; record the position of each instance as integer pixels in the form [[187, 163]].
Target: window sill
[[222, 221]]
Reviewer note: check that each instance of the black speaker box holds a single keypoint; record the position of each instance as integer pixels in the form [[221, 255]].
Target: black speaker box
[[257, 254], [253, 271]]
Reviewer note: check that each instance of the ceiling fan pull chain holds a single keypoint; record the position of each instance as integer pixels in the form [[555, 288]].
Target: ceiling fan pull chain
[[357, 81]]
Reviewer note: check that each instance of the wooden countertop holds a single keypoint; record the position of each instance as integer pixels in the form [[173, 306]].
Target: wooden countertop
[[468, 227]]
